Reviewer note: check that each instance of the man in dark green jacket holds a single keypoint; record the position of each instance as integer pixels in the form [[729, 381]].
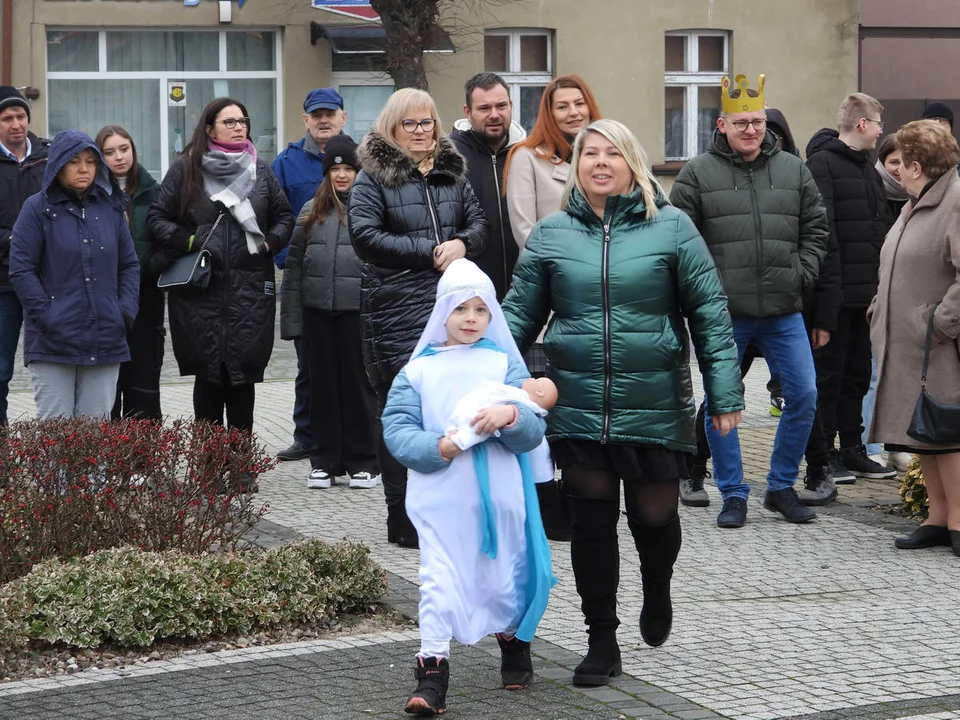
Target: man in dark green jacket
[[763, 219]]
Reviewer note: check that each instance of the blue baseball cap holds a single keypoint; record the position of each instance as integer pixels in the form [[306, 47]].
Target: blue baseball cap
[[325, 98]]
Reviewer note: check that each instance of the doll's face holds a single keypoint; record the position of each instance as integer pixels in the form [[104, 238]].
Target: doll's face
[[542, 391], [468, 322]]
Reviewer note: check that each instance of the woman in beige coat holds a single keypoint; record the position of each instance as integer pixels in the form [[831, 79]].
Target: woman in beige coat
[[919, 267]]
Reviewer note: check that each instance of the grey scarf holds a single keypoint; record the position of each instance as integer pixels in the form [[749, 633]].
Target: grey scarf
[[229, 178], [893, 189]]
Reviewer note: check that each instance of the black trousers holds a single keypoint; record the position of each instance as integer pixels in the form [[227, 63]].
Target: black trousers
[[392, 473], [138, 386], [343, 416], [210, 400], [593, 497], [843, 379]]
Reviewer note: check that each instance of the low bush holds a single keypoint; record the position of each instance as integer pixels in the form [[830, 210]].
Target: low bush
[[913, 490], [72, 487], [127, 597]]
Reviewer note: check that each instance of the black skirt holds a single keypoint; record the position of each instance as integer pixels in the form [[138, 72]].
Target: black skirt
[[636, 463], [917, 451]]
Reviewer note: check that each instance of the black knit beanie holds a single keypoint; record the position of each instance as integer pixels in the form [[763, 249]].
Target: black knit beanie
[[10, 97], [938, 110], [340, 150]]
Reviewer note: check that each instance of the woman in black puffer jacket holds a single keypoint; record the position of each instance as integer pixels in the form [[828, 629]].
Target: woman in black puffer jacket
[[412, 212], [223, 335]]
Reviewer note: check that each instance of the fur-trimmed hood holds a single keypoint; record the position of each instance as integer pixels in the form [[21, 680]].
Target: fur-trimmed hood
[[392, 167]]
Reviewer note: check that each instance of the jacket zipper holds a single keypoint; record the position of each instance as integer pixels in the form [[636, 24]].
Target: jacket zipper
[[432, 211], [503, 238], [758, 229], [607, 364], [333, 273]]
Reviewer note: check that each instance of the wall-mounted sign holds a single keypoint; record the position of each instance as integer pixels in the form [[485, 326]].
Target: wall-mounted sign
[[352, 8], [176, 94], [192, 3]]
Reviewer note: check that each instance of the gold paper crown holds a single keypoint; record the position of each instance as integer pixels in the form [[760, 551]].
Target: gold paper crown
[[744, 101]]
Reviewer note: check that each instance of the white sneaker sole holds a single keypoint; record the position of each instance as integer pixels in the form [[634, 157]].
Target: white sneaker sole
[[319, 483], [358, 484]]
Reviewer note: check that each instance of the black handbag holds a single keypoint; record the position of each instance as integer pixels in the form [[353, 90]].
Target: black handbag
[[193, 270], [933, 422]]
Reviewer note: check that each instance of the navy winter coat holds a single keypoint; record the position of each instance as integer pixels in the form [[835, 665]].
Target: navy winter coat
[[74, 267], [299, 169]]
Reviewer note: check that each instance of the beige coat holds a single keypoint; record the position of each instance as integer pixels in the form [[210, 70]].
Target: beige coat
[[919, 266], [534, 187]]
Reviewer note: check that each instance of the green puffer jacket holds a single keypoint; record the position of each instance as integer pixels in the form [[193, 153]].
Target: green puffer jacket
[[618, 349], [763, 221]]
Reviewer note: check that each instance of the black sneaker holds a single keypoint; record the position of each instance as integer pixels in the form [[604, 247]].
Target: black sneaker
[[838, 471], [733, 514], [818, 487], [787, 504], [692, 493], [856, 461], [777, 404], [430, 697], [516, 668]]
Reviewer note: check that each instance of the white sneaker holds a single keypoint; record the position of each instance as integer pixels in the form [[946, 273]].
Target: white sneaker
[[364, 480], [899, 460], [319, 480]]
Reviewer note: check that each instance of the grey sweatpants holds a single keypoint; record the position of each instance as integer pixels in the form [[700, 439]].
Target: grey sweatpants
[[61, 390]]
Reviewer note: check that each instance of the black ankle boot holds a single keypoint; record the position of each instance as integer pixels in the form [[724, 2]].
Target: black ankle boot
[[430, 697], [516, 667], [602, 661]]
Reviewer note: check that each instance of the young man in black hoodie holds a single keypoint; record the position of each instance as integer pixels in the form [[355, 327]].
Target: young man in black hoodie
[[859, 219]]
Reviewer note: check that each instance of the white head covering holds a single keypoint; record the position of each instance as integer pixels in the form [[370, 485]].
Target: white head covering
[[462, 281]]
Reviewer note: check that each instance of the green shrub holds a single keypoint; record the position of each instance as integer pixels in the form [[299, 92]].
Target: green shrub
[[913, 491], [128, 597]]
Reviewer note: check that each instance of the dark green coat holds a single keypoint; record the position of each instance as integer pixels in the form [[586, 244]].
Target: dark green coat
[[618, 349], [140, 202], [763, 221]]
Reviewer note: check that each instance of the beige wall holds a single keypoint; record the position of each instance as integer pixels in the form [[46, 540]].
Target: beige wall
[[807, 48]]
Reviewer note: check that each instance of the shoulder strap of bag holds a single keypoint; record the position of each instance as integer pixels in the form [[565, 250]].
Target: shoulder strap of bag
[[212, 230], [926, 348]]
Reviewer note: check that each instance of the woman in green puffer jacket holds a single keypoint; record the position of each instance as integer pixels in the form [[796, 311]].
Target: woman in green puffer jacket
[[620, 269]]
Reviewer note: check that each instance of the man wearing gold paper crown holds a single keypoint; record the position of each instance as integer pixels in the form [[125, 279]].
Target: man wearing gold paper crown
[[761, 214]]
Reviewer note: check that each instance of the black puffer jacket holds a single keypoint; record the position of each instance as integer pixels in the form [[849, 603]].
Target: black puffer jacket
[[18, 181], [856, 209], [232, 322], [322, 272], [397, 217]]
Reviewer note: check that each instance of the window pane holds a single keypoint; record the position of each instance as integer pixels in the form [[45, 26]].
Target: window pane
[[363, 103], [529, 105], [495, 53], [88, 105], [69, 51], [676, 51], [150, 50], [533, 53], [708, 101], [711, 54], [250, 51], [674, 101]]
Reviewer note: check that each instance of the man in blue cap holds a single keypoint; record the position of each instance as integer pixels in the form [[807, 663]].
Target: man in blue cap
[[299, 169]]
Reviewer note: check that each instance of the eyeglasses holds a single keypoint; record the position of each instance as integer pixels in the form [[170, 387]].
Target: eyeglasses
[[879, 123], [231, 123], [742, 125], [411, 125]]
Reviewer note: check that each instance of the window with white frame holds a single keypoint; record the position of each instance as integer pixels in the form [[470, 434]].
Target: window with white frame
[[524, 58], [695, 63], [124, 77], [364, 95]]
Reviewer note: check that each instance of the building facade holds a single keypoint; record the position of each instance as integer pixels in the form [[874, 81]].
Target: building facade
[[152, 65]]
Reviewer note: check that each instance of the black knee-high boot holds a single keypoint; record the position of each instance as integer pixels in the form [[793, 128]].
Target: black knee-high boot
[[595, 555], [658, 547]]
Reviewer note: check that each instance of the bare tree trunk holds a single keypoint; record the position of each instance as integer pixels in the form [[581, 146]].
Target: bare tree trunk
[[409, 26]]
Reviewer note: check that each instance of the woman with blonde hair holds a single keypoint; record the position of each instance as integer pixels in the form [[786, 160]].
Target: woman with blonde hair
[[411, 213], [924, 243], [620, 269]]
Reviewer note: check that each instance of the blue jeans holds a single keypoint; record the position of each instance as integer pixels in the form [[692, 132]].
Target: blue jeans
[[301, 401], [786, 348], [868, 401], [11, 318]]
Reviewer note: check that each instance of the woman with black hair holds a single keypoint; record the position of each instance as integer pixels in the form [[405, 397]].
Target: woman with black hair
[[220, 196]]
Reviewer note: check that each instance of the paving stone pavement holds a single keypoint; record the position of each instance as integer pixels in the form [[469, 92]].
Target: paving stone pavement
[[824, 621]]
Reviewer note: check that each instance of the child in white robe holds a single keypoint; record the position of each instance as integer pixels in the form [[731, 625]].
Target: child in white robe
[[484, 557]]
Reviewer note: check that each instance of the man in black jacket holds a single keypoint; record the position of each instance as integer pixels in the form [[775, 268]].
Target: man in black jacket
[[484, 136], [859, 219], [23, 159]]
